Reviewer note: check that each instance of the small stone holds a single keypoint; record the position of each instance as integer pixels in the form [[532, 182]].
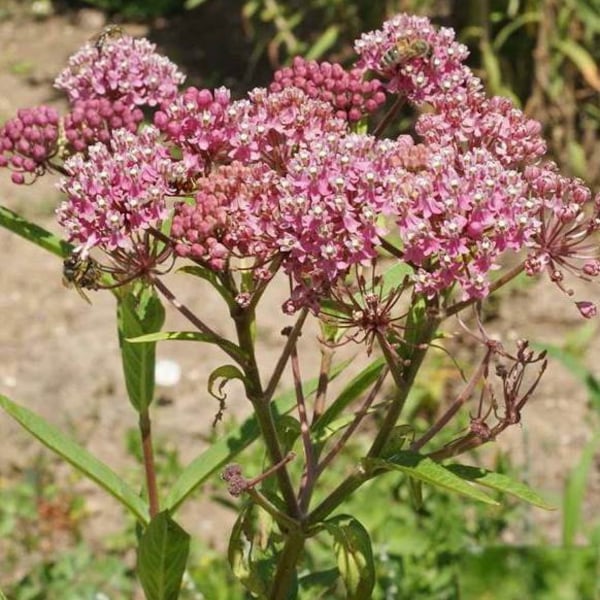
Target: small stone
[[167, 372]]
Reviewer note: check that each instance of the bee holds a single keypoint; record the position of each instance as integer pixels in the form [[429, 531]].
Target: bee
[[109, 32], [404, 50], [81, 273]]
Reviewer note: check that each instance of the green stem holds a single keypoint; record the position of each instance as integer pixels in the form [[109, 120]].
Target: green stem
[[282, 519], [286, 565], [404, 382], [262, 407], [149, 466], [341, 493]]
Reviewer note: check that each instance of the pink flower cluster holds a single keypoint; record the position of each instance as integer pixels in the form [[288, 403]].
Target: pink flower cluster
[[458, 214], [28, 140], [349, 93], [278, 177], [210, 130], [95, 119], [565, 242], [216, 224], [120, 68], [320, 217], [415, 59], [470, 120], [117, 192], [201, 123]]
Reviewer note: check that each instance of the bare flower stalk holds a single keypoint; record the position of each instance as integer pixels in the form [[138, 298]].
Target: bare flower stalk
[[455, 406], [358, 418], [149, 466], [310, 470]]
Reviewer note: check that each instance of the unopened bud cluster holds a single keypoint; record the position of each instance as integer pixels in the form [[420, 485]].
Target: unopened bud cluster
[[28, 140], [349, 93]]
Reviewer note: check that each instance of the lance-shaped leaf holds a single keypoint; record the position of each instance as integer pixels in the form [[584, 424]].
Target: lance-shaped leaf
[[427, 470], [162, 557], [224, 451], [190, 336], [138, 315], [499, 482], [34, 233], [352, 546], [79, 457]]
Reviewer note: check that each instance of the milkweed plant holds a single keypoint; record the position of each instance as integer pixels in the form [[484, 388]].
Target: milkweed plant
[[385, 240]]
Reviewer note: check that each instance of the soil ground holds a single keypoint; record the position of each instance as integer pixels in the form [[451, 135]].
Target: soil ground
[[59, 355]]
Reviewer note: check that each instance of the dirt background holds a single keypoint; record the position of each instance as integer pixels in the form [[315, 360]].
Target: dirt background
[[59, 355]]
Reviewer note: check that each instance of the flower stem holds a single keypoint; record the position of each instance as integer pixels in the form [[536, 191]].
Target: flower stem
[[220, 341], [286, 565], [508, 276], [149, 467], [261, 401]]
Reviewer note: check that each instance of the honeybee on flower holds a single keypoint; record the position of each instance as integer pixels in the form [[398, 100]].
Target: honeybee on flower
[[405, 49]]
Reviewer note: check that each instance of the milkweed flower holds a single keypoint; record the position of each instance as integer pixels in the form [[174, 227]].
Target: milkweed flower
[[201, 124], [470, 120], [28, 141], [566, 240], [457, 214], [414, 59], [122, 68], [116, 192]]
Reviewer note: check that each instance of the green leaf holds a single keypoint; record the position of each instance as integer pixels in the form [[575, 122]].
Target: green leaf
[[395, 276], [352, 547], [137, 316], [427, 470], [77, 456], [212, 278], [250, 564], [34, 233], [582, 59], [324, 42], [499, 482], [225, 373], [578, 370], [515, 24], [162, 557], [189, 336], [575, 488], [224, 451]]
